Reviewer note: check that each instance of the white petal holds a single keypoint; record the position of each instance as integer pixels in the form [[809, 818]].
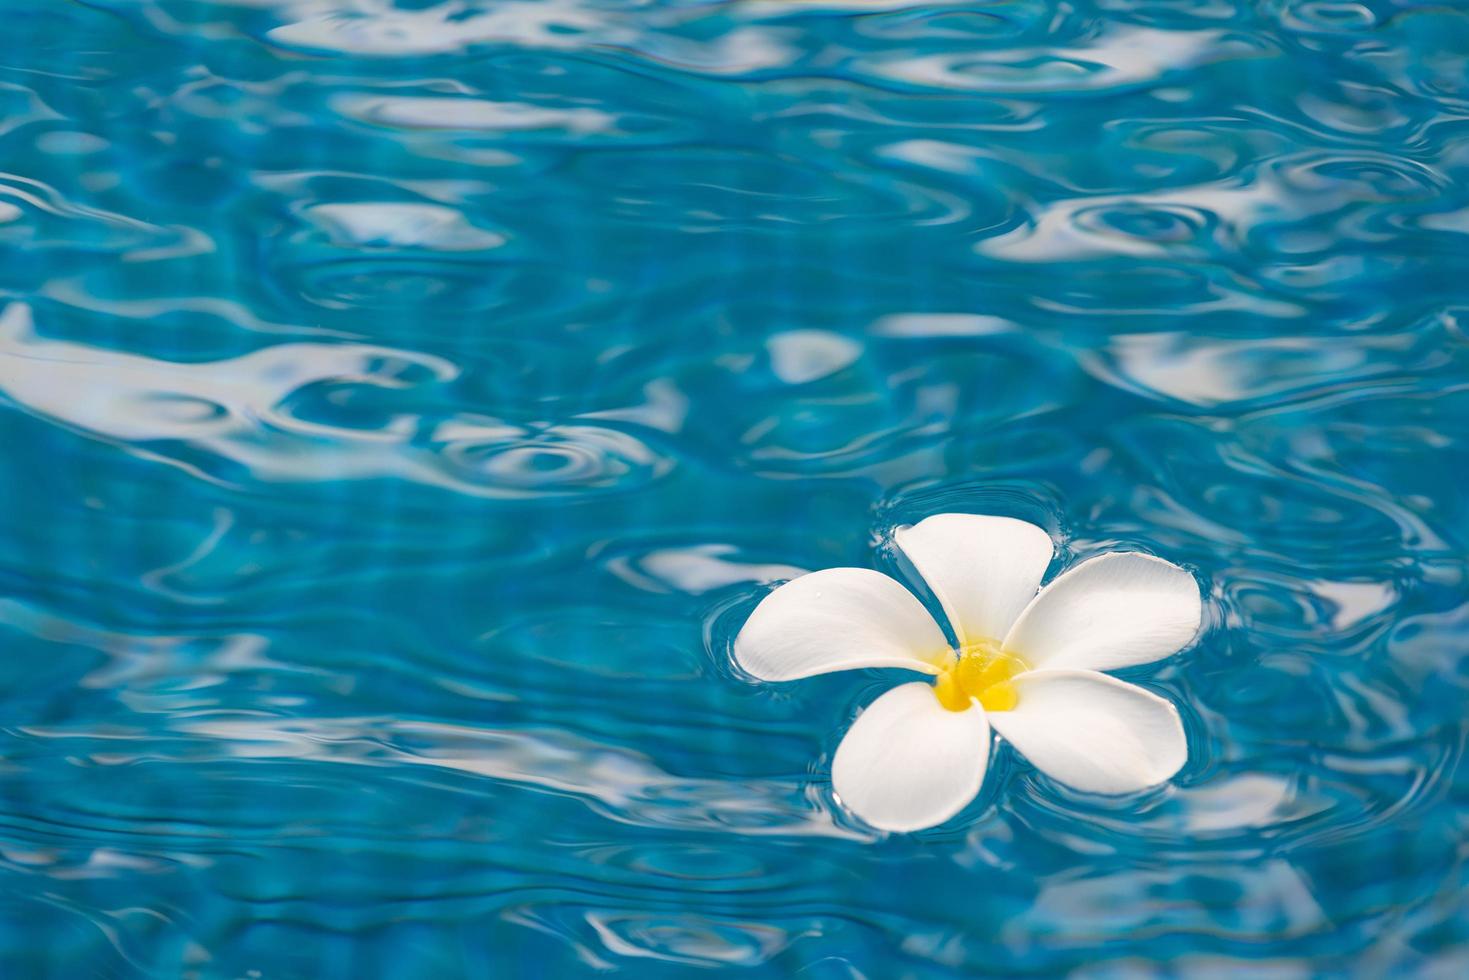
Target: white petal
[[982, 569], [1108, 612], [1093, 732], [838, 619], [908, 762]]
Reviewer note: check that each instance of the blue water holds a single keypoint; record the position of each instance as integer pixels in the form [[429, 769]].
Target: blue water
[[405, 401]]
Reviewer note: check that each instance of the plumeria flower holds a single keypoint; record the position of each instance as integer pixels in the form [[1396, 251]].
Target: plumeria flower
[[1027, 664]]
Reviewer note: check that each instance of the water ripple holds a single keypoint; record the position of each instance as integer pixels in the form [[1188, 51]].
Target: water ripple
[[406, 400]]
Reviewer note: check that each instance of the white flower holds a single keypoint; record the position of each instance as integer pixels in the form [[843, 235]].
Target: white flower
[[1027, 664]]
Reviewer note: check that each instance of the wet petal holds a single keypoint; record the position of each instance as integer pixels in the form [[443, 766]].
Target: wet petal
[[1093, 732], [908, 763], [1108, 612], [838, 619], [982, 569]]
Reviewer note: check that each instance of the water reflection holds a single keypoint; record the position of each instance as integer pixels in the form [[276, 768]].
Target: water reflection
[[404, 399]]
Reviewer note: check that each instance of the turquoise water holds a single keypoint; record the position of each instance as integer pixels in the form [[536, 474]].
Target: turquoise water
[[405, 401]]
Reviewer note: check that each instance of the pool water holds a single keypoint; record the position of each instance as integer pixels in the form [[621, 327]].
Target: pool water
[[405, 401]]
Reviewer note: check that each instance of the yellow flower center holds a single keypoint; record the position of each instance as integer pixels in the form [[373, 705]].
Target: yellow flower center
[[981, 671]]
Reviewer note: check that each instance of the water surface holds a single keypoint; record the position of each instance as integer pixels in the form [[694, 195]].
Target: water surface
[[405, 401]]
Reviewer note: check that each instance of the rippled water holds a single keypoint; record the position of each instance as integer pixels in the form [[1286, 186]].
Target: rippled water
[[405, 401]]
